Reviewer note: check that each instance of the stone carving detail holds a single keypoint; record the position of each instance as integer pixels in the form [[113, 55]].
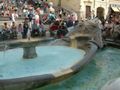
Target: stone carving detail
[[88, 28]]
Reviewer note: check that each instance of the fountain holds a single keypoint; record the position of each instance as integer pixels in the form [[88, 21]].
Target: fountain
[[28, 54], [112, 85], [42, 65], [104, 67]]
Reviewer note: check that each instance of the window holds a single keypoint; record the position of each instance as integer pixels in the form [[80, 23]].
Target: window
[[88, 11]]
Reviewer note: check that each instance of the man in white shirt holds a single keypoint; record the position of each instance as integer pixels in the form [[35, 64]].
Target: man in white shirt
[[14, 15]]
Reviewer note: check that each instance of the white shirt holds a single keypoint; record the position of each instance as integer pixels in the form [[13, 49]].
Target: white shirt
[[14, 15], [51, 9], [75, 17]]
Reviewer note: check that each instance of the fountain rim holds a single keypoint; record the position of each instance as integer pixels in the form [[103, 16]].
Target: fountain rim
[[22, 43], [46, 78]]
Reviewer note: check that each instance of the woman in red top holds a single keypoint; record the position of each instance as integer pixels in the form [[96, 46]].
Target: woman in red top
[[53, 28]]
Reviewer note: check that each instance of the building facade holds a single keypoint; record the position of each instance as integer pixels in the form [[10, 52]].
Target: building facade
[[88, 8]]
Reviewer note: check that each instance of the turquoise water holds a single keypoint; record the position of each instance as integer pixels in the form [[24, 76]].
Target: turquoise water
[[51, 59], [104, 67]]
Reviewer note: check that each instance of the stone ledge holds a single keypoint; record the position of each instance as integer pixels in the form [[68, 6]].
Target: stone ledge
[[41, 80]]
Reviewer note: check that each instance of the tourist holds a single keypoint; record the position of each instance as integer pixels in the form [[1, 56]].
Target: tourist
[[42, 29], [51, 18], [62, 31], [45, 8], [75, 18], [20, 31], [35, 29], [30, 16], [108, 28], [51, 9], [5, 26], [14, 15], [37, 19], [13, 30], [5, 31], [25, 12], [29, 33], [53, 28], [69, 21], [59, 18], [25, 29]]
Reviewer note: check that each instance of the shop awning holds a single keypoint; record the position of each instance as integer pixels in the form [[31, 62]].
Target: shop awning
[[115, 9]]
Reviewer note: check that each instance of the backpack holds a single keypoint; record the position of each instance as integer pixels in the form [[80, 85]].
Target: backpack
[[30, 16]]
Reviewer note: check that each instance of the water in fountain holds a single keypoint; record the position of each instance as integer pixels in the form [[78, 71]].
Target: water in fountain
[[5, 48], [104, 67], [50, 59]]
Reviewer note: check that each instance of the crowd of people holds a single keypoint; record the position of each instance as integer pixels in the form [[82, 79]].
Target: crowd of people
[[111, 27], [41, 14], [35, 21]]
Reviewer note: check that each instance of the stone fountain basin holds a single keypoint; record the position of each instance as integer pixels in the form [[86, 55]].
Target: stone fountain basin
[[54, 63], [50, 60]]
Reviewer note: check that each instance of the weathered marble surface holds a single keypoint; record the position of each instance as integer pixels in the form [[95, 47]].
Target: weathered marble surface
[[112, 85], [88, 28]]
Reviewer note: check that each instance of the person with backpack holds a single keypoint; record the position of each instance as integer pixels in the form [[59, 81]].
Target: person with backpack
[[30, 15], [51, 18], [25, 29]]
